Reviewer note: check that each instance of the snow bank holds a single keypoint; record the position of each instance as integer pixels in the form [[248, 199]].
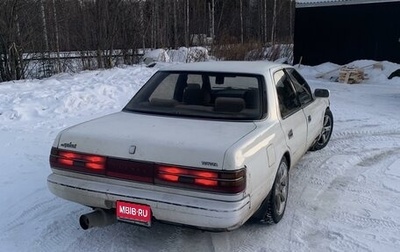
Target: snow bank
[[157, 55], [66, 96], [372, 71], [181, 55]]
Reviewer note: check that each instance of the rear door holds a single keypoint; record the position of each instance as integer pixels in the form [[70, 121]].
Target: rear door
[[293, 121]]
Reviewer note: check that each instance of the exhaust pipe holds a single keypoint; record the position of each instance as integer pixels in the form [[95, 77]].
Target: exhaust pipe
[[98, 218]]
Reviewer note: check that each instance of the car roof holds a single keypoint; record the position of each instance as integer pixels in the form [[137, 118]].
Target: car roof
[[249, 67]]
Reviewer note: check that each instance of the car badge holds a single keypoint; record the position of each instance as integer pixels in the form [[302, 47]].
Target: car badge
[[69, 145], [207, 163]]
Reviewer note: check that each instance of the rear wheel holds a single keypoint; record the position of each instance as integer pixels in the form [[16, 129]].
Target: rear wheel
[[326, 133], [276, 203]]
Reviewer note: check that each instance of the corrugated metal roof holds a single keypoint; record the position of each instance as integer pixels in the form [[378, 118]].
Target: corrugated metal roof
[[318, 3]]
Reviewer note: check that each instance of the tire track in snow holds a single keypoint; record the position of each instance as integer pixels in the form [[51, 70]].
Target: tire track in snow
[[116, 237], [347, 243], [55, 223], [342, 181], [34, 212], [358, 140], [59, 233], [363, 133], [366, 222], [256, 236], [319, 175]]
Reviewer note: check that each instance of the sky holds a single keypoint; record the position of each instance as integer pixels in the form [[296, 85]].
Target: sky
[[345, 197]]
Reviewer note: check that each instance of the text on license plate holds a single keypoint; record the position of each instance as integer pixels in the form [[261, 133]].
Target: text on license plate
[[134, 212]]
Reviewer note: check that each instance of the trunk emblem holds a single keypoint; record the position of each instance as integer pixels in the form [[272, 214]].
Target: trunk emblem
[[69, 145], [206, 163], [132, 149]]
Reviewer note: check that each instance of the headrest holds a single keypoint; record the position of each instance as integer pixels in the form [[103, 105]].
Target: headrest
[[229, 104], [193, 94]]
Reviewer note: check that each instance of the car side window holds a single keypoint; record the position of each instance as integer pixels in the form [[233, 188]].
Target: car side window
[[166, 89], [287, 98], [303, 90]]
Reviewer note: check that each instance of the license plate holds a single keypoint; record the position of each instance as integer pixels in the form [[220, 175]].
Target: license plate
[[132, 212]]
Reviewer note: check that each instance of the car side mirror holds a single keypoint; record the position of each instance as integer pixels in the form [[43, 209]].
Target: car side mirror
[[321, 93]]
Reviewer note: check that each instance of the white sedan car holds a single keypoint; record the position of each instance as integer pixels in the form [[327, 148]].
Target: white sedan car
[[207, 145]]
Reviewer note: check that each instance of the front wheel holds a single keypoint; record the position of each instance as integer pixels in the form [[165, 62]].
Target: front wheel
[[326, 132]]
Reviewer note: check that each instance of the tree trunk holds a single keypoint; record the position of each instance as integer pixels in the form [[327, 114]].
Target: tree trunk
[[45, 36], [187, 35], [3, 61], [57, 37], [241, 22], [274, 23], [265, 22], [175, 26]]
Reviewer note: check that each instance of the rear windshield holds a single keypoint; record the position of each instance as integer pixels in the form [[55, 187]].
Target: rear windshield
[[200, 94]]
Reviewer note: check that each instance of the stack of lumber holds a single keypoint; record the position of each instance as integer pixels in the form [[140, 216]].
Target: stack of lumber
[[351, 75]]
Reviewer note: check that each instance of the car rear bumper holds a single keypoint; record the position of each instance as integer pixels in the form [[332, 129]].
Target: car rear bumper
[[180, 209]]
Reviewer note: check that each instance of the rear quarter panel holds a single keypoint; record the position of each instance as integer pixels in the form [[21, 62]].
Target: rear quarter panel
[[261, 151]]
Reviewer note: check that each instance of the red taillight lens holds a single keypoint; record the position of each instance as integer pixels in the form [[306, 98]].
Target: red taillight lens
[[67, 158], [218, 181], [170, 174], [66, 161], [77, 161], [68, 155], [205, 182], [171, 178], [95, 165]]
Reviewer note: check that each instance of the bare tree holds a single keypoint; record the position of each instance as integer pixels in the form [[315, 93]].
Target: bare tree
[[187, 18], [107, 29], [57, 37], [241, 22], [15, 36]]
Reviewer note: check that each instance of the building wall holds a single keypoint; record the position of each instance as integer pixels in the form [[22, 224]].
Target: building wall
[[341, 34]]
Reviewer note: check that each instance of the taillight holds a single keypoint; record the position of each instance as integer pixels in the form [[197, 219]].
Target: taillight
[[77, 161], [174, 174], [218, 181], [148, 172]]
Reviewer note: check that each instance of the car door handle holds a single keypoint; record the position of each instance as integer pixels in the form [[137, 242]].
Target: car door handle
[[290, 134], [309, 118]]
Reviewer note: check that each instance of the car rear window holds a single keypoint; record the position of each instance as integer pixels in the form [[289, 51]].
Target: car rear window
[[201, 94]]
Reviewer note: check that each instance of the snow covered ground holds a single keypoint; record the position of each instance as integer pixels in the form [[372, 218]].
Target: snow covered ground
[[345, 197]]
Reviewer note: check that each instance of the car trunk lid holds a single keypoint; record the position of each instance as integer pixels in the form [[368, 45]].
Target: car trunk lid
[[191, 142]]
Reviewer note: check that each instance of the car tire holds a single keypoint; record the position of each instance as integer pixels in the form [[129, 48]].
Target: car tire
[[326, 132], [273, 208]]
